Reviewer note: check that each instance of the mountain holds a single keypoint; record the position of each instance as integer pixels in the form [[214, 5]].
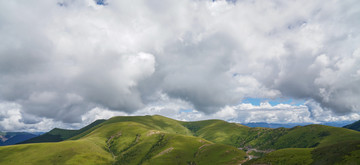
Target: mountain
[[160, 140], [126, 140], [58, 134], [290, 125], [354, 126], [10, 138]]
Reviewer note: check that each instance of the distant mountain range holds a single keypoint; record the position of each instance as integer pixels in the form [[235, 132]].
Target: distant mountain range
[[160, 140], [290, 125], [10, 138]]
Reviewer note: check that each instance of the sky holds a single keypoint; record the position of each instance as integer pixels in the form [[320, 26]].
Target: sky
[[66, 63]]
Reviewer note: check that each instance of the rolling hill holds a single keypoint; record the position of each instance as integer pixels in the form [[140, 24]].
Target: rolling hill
[[160, 140], [126, 140]]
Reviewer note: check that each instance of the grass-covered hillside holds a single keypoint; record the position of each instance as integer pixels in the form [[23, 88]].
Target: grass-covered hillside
[[342, 153], [160, 140], [311, 144], [238, 135], [126, 140]]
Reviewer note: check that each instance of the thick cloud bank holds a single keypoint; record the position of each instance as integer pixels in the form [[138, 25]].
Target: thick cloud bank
[[60, 60]]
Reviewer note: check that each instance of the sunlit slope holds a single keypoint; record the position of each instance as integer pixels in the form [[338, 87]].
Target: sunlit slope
[[154, 122], [127, 140], [219, 131], [135, 143], [66, 152]]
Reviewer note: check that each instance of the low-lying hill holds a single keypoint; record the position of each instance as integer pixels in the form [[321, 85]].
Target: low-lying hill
[[160, 140]]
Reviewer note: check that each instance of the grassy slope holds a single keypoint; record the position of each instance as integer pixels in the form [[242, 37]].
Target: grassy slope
[[127, 140], [314, 135], [298, 145], [155, 122], [264, 138], [219, 131], [317, 144], [288, 156], [67, 152], [161, 140], [340, 153], [152, 140]]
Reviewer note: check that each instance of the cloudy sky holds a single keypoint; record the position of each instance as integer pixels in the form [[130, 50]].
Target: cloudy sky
[[65, 63]]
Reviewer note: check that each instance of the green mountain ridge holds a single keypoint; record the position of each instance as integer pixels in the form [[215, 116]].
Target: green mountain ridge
[[58, 134], [354, 126], [160, 140]]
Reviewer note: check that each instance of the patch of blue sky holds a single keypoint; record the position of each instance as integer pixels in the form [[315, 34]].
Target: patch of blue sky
[[273, 102], [101, 2], [253, 101]]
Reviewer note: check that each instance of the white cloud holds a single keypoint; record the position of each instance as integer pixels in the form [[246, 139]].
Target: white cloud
[[99, 113], [61, 62], [11, 119], [311, 112]]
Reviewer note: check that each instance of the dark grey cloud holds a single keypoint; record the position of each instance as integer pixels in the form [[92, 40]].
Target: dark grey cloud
[[58, 62], [200, 73]]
